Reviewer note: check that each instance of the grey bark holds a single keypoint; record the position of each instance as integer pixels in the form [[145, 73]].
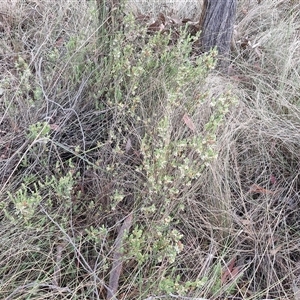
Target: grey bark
[[217, 25]]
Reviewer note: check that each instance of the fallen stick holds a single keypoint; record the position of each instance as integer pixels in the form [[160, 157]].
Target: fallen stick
[[117, 259]]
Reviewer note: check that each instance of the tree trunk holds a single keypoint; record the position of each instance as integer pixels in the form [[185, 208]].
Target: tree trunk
[[217, 25]]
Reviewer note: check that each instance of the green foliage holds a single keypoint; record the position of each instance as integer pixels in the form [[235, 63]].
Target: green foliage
[[25, 74], [39, 130], [174, 285], [32, 193], [25, 203], [96, 235], [174, 155]]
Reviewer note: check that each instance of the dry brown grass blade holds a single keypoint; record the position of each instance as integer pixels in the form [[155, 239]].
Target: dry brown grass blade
[[117, 259]]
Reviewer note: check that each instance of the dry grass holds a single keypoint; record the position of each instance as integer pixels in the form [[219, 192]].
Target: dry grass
[[182, 9], [69, 182]]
